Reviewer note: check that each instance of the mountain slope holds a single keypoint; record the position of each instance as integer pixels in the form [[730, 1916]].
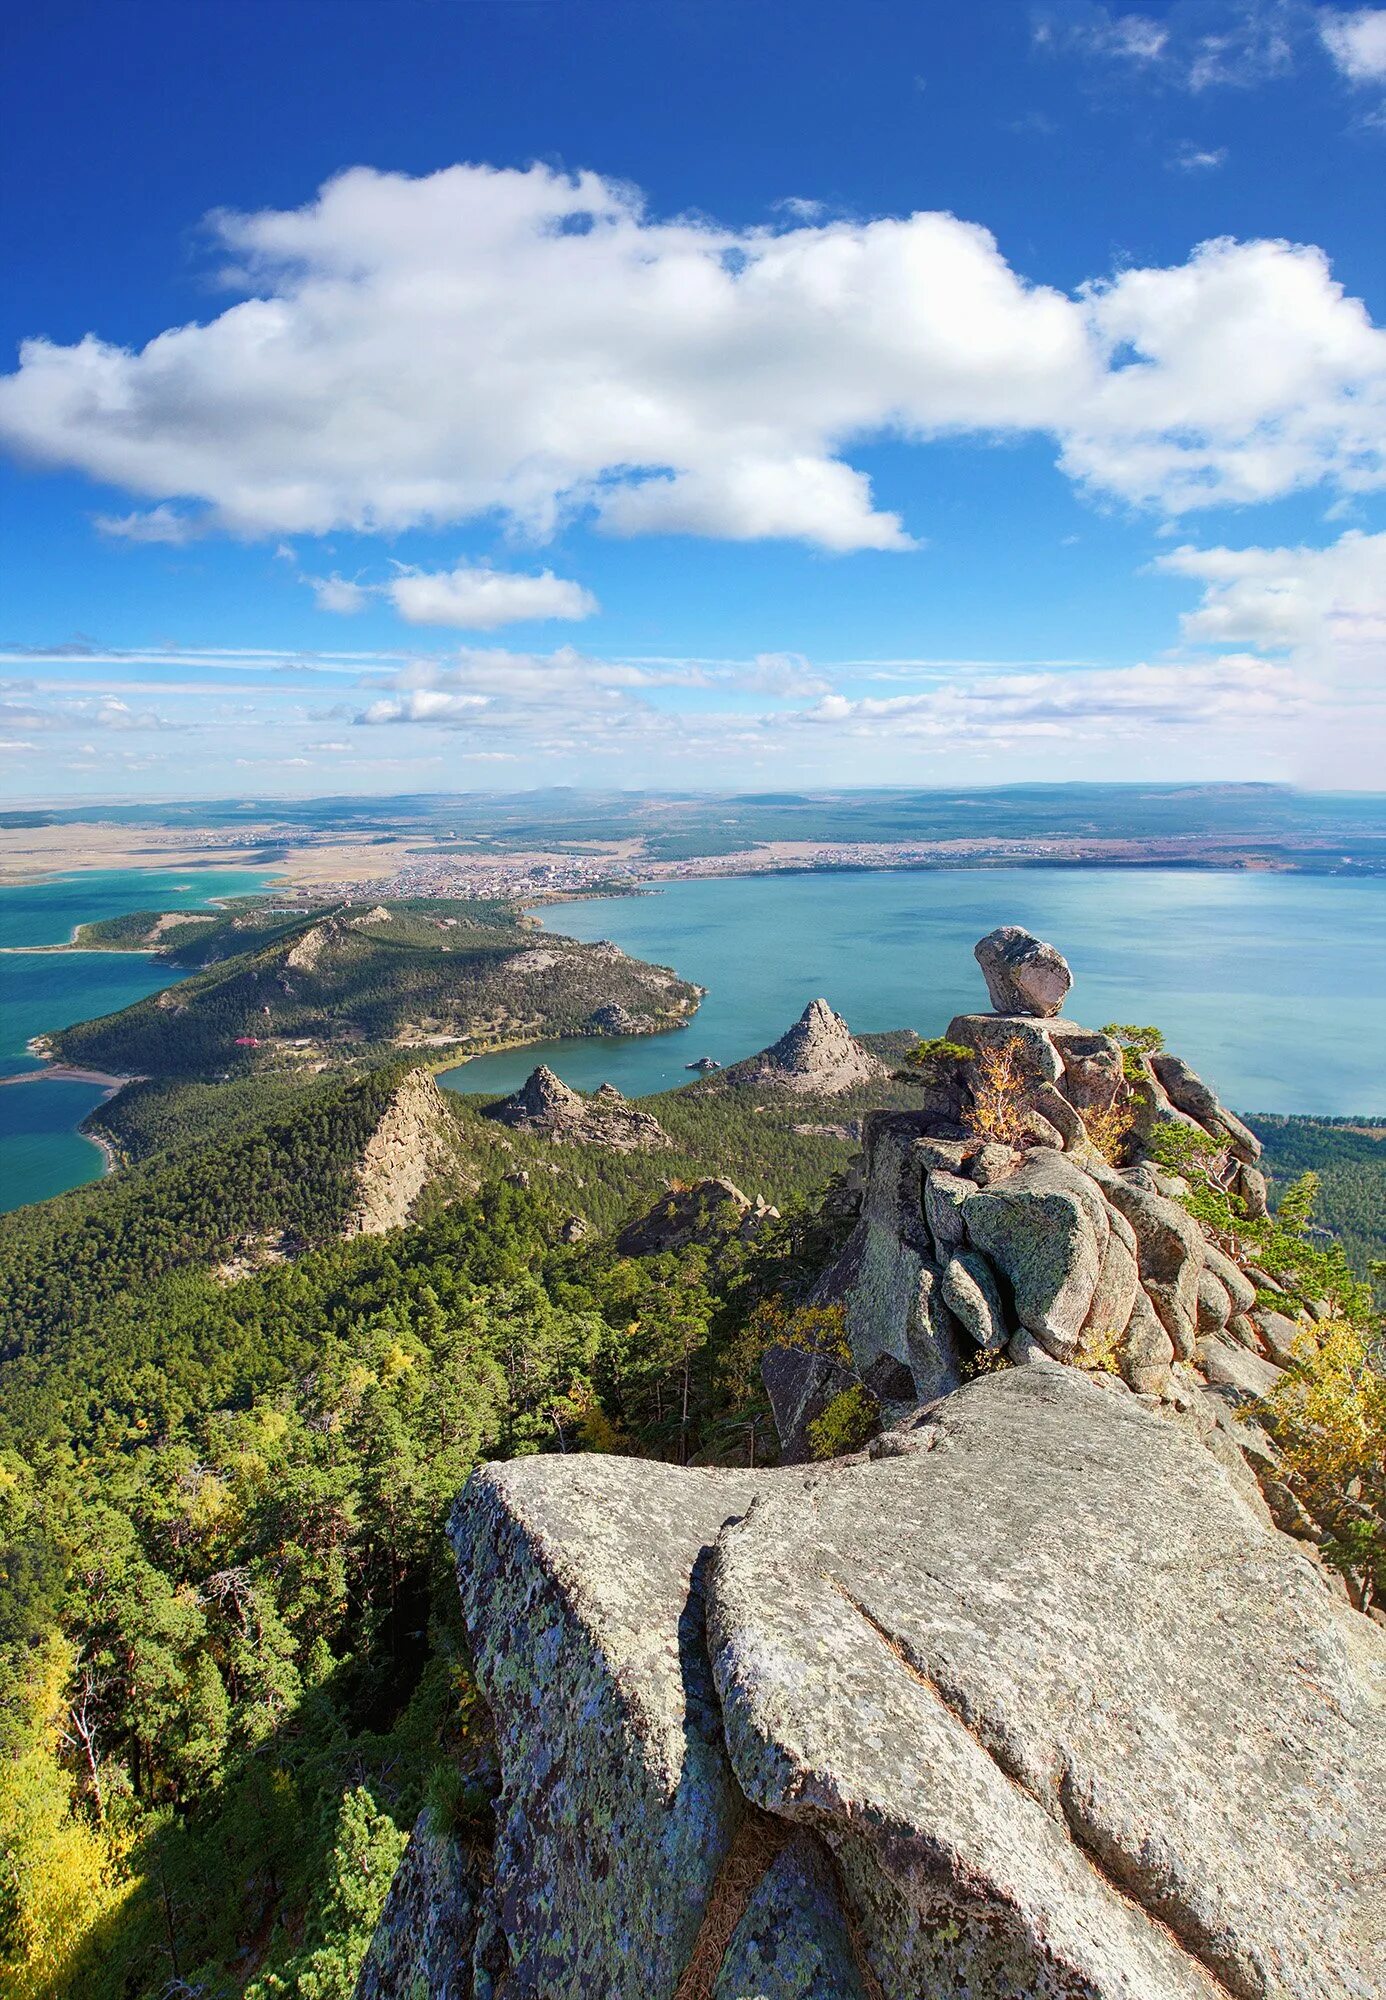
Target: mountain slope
[[337, 982]]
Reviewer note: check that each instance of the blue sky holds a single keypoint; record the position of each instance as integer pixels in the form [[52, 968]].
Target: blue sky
[[463, 394]]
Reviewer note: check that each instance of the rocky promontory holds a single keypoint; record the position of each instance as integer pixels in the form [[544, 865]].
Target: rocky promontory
[[1028, 1694], [546, 1107], [818, 1056]]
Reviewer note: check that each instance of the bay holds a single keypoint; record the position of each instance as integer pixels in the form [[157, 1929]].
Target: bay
[[41, 1152], [1270, 985]]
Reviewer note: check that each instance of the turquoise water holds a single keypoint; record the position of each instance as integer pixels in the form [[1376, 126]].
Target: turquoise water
[[1271, 985], [40, 1151]]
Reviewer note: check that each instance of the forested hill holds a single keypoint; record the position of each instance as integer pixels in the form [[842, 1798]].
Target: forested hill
[[1349, 1157], [293, 987]]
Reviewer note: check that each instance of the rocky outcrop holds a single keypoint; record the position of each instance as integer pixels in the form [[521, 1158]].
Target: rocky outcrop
[[1029, 1158], [582, 1584], [616, 1020], [546, 1107], [414, 1141], [818, 1055], [710, 1211], [1023, 974], [1043, 1695], [423, 1942], [1103, 1734], [889, 1277], [1029, 1701], [793, 1939]]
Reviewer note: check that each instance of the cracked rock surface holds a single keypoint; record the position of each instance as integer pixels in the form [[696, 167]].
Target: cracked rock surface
[[1062, 1743], [1041, 1706]]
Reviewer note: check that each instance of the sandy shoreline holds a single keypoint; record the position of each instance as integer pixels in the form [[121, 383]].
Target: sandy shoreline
[[69, 1073]]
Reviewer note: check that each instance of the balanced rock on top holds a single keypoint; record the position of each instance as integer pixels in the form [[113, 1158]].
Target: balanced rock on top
[[1023, 974]]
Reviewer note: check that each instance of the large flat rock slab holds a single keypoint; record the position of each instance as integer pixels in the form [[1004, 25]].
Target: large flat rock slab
[[1074, 1720], [581, 1581]]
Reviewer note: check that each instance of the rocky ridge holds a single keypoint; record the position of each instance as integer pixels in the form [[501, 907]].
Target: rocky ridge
[[546, 1107], [1030, 1699], [414, 1141]]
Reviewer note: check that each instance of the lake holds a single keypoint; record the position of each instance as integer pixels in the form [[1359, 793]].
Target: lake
[[1270, 985], [40, 1151]]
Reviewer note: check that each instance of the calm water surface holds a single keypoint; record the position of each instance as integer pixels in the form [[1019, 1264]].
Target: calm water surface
[[1271, 985], [40, 1151]]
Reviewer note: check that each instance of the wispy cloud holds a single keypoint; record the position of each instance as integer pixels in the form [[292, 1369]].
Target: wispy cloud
[[159, 524], [1190, 159]]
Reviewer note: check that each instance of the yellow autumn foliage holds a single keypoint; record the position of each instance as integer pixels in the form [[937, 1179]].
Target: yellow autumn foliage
[[61, 1873]]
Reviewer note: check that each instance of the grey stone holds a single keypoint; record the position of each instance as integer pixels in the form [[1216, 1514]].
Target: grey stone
[[1190, 1094], [1102, 1735], [1200, 1418], [1244, 1330], [1281, 1335], [1094, 1072], [1234, 1368], [1045, 1231], [944, 1195], [889, 1381], [422, 1944], [1239, 1287], [886, 1277], [1023, 974], [1053, 1105], [932, 1335], [1169, 1253], [800, 1385], [969, 1290], [1251, 1186], [993, 1163], [1146, 1350], [548, 1108], [581, 1581], [793, 1942], [1024, 1351], [1117, 1284], [1214, 1305], [1039, 1132], [949, 1156], [1027, 1040], [1171, 1303], [818, 1054]]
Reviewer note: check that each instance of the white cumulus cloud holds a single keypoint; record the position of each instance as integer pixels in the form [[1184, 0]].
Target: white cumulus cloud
[[478, 600], [1357, 42], [1330, 600], [428, 351], [423, 705]]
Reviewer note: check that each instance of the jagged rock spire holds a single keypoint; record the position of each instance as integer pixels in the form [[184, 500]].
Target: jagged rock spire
[[547, 1107], [819, 1054], [543, 1096]]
